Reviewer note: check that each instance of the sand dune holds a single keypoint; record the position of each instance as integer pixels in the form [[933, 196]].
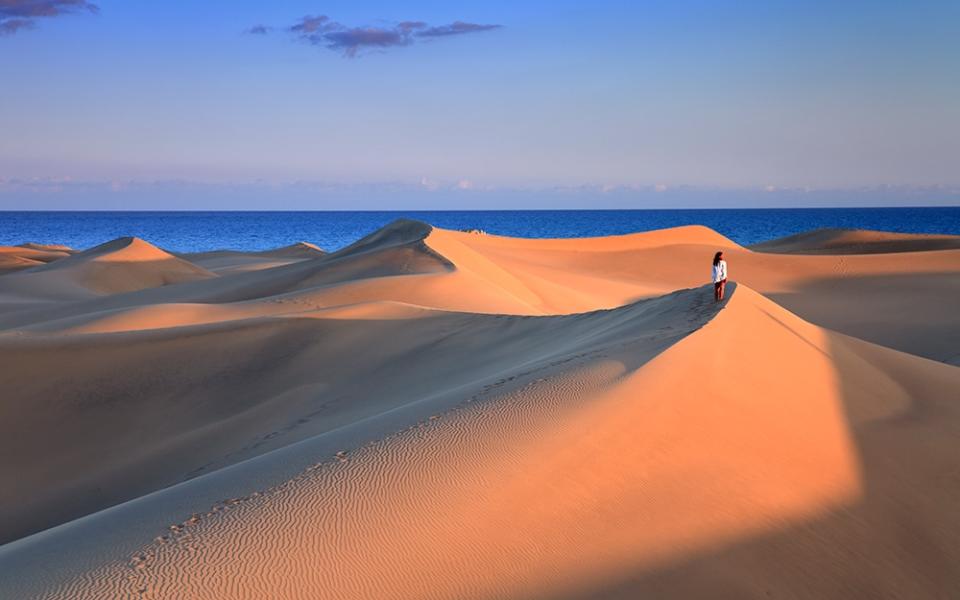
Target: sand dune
[[39, 252], [436, 414], [48, 247], [10, 262], [224, 262], [863, 295], [602, 467], [857, 241], [15, 258], [123, 265], [905, 301]]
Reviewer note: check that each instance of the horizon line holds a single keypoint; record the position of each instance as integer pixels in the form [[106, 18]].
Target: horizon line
[[455, 210]]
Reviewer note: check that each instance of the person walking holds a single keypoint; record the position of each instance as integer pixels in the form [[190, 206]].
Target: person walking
[[719, 276]]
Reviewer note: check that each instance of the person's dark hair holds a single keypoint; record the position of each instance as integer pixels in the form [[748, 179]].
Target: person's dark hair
[[716, 258]]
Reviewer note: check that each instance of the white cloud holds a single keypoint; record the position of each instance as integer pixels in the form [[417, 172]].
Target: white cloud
[[429, 184]]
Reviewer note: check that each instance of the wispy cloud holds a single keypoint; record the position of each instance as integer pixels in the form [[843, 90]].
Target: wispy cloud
[[11, 26], [455, 28], [22, 14], [259, 30], [309, 25], [321, 30]]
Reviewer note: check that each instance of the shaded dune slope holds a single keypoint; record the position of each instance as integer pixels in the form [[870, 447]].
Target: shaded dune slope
[[225, 262], [857, 241], [626, 457], [296, 250], [185, 400]]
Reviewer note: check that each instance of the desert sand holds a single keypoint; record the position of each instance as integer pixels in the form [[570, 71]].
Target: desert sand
[[437, 414]]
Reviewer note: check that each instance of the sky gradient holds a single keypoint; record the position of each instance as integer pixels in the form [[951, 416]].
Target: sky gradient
[[243, 104]]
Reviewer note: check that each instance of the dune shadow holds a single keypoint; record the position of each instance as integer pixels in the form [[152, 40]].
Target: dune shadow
[[915, 313]]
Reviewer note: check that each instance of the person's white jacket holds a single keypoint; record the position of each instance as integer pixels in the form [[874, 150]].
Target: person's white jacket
[[720, 271]]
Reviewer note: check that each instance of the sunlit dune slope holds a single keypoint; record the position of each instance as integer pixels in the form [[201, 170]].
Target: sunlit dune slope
[[661, 449]]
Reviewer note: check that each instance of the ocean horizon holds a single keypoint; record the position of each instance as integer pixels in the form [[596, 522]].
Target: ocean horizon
[[194, 231]]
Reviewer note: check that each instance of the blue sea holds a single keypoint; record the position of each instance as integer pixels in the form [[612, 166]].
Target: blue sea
[[199, 231]]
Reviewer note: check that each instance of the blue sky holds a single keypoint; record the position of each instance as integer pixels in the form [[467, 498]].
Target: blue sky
[[684, 103]]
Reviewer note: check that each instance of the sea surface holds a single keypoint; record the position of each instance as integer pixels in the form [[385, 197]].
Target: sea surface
[[198, 231]]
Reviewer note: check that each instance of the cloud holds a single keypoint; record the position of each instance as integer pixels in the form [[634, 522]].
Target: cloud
[[321, 30], [429, 184], [43, 8], [409, 26], [310, 24], [455, 28], [22, 14], [258, 30], [351, 41], [11, 26]]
